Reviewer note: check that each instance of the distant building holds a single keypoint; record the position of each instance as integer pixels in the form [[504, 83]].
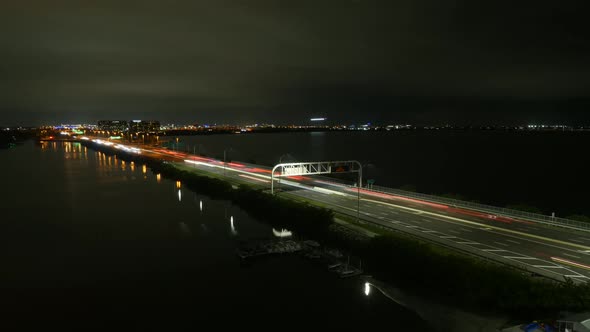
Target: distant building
[[113, 125], [143, 126]]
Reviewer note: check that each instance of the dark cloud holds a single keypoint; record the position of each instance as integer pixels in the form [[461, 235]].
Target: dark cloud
[[230, 61]]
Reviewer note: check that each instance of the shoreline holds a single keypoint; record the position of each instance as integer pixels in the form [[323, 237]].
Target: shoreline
[[241, 194]]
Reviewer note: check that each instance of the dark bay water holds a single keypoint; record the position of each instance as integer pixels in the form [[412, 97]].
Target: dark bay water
[[87, 239], [547, 170]]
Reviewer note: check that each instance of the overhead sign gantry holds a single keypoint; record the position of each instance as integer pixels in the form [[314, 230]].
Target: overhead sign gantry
[[315, 168]]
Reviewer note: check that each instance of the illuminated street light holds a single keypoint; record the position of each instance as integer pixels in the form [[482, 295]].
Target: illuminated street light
[[367, 288]]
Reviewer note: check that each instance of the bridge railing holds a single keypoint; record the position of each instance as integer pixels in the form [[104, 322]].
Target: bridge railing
[[535, 217]]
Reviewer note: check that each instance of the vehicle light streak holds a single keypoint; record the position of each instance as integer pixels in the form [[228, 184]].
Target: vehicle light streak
[[568, 262], [388, 196], [254, 178], [332, 184]]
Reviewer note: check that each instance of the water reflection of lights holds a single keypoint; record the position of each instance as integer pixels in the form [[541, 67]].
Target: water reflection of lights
[[367, 288], [233, 229], [158, 177], [179, 195], [132, 164], [282, 233], [144, 169]]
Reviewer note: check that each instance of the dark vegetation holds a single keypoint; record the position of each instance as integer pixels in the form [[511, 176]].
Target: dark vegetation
[[468, 282], [412, 264]]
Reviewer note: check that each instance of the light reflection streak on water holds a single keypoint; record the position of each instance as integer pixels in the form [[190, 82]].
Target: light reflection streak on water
[[233, 228]]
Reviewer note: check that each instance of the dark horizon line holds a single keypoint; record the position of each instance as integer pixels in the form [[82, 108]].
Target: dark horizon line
[[449, 124]]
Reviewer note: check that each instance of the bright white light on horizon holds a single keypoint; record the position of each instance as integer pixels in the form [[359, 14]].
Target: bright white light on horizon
[[318, 119], [367, 288]]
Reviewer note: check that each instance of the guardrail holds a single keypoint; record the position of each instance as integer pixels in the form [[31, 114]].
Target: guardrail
[[535, 217]]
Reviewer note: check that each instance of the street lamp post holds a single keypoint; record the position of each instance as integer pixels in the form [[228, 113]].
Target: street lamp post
[[358, 196], [280, 161]]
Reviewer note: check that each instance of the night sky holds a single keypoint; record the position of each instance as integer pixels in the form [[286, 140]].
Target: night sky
[[418, 61]]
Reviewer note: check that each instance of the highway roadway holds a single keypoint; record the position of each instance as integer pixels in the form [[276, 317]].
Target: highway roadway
[[549, 251]]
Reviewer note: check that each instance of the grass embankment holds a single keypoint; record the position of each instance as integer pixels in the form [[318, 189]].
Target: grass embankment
[[412, 264]]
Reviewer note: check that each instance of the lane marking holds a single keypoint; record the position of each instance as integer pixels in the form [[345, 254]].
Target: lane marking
[[570, 255], [520, 257], [587, 249], [488, 226], [535, 241], [568, 262], [550, 266]]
